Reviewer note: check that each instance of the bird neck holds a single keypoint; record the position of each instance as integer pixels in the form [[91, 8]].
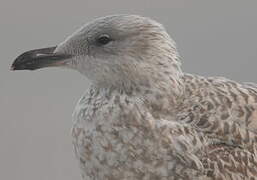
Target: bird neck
[[161, 98], [153, 89]]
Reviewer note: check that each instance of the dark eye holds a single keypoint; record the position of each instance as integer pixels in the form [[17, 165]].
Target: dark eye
[[103, 39]]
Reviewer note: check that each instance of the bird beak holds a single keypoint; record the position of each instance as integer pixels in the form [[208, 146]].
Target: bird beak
[[40, 58]]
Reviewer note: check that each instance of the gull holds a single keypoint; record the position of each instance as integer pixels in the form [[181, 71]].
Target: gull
[[143, 118]]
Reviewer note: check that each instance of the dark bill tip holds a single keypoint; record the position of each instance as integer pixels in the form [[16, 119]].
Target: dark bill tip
[[39, 58]]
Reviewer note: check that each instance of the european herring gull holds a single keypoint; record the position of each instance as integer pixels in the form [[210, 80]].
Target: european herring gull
[[143, 118]]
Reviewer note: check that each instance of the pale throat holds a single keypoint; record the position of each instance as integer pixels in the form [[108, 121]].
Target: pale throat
[[151, 87], [155, 75]]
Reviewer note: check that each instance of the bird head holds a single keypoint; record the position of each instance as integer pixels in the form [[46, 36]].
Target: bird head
[[117, 50]]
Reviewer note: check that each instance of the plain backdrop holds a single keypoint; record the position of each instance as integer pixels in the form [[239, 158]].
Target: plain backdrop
[[214, 38]]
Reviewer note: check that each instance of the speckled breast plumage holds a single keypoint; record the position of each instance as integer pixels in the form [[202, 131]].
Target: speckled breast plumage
[[210, 133]]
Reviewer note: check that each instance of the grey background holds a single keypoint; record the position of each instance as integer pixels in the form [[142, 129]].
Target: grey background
[[214, 38]]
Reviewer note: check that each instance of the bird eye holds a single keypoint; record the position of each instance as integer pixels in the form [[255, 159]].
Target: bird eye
[[103, 39]]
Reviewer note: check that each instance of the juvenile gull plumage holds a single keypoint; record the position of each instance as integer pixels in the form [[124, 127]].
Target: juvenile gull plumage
[[143, 118]]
